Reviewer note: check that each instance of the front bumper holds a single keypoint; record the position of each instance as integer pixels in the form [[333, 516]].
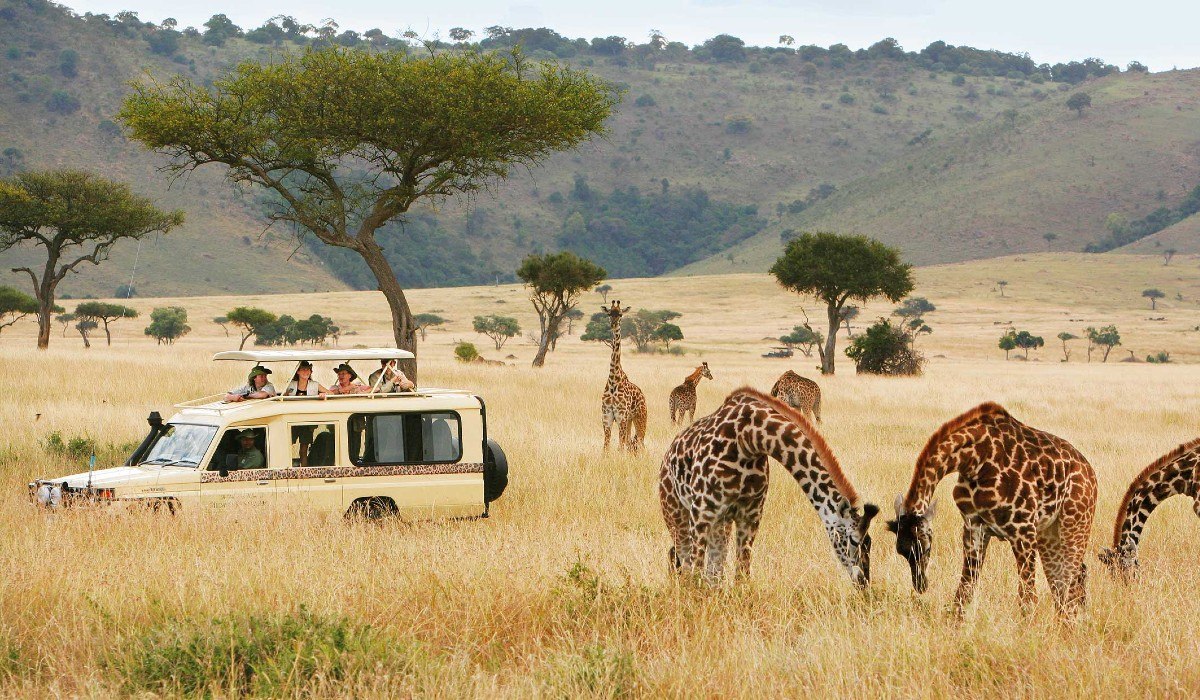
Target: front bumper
[[47, 493]]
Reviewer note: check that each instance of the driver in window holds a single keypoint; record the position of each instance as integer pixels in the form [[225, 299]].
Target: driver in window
[[249, 456]]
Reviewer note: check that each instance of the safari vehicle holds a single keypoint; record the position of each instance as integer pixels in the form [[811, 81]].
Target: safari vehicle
[[421, 454]]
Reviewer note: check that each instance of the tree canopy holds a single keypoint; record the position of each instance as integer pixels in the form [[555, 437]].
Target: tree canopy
[[555, 281], [837, 268], [14, 306], [168, 324], [1107, 337], [250, 320], [1153, 295], [75, 217], [885, 349], [498, 328], [349, 139]]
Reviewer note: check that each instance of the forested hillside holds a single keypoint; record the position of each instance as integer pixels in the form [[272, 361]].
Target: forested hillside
[[716, 153]]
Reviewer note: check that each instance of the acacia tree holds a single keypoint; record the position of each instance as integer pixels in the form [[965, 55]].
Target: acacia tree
[[603, 291], [14, 306], [498, 328], [835, 269], [76, 217], [85, 328], [1027, 341], [349, 139], [1008, 342], [251, 320], [1153, 295], [65, 319], [167, 324], [1065, 337], [222, 321], [424, 321], [104, 312], [802, 337], [1078, 102], [555, 281], [1107, 337]]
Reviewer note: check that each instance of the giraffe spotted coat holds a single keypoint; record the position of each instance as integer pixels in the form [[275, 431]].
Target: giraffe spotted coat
[[1015, 483], [683, 397], [713, 480], [622, 403], [1176, 473], [800, 393]]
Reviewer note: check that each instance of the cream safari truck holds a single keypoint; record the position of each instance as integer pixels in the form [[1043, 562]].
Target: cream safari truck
[[417, 454]]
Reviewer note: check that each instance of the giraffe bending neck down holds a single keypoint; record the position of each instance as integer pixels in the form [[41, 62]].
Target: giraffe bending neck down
[[623, 402], [1176, 473], [1015, 483], [683, 397], [714, 479]]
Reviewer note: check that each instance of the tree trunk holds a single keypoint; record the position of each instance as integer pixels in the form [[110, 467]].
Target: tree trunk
[[835, 321], [1107, 349], [403, 329], [107, 334], [45, 303], [550, 332], [86, 343]]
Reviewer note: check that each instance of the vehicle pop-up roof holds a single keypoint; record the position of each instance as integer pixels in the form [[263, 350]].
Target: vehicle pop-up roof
[[315, 355]]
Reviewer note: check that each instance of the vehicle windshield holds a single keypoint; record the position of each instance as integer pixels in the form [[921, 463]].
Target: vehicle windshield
[[181, 444]]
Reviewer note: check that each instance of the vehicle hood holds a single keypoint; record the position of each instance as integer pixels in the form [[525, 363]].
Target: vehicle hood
[[115, 476]]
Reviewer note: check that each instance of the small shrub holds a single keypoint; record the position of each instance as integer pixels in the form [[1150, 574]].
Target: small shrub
[[62, 102], [846, 98], [879, 109], [645, 101], [466, 352], [958, 81], [1160, 358], [13, 53], [738, 124]]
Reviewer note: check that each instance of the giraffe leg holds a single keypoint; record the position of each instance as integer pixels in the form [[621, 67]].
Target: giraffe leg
[[639, 424], [714, 556], [623, 433], [747, 530], [1025, 551], [975, 544], [607, 432], [1062, 557], [701, 531]]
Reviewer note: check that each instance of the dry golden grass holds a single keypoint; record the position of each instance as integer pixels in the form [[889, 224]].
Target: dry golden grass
[[564, 591]]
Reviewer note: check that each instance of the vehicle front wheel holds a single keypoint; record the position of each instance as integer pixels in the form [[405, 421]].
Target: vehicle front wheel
[[373, 508]]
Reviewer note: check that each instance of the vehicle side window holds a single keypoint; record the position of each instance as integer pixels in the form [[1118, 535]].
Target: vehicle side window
[[254, 457], [314, 445], [405, 438]]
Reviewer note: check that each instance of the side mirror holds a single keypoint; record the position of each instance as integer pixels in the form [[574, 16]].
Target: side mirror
[[231, 462]]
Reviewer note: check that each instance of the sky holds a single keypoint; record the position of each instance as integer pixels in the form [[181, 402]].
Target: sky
[[1159, 33]]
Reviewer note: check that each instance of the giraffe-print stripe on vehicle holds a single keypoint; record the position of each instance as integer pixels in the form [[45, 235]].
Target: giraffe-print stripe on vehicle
[[341, 472]]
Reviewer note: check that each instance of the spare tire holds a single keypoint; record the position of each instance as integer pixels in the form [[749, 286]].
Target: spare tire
[[495, 471]]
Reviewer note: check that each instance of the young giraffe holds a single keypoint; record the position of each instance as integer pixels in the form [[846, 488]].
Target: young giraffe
[[623, 402], [800, 393], [683, 397], [1015, 483], [714, 477], [1176, 473]]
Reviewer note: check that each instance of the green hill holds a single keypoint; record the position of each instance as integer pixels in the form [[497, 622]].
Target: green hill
[[1040, 178], [715, 151]]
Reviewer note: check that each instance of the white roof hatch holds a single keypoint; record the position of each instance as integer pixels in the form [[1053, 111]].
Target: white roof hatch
[[347, 355]]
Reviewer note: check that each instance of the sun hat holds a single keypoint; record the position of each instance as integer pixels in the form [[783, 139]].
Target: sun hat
[[257, 370], [246, 433], [345, 366]]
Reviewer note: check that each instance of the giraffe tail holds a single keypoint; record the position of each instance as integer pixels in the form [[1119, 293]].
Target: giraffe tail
[[817, 407], [639, 425]]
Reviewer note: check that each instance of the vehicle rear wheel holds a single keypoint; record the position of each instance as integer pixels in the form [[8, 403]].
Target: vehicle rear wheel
[[495, 471], [373, 508]]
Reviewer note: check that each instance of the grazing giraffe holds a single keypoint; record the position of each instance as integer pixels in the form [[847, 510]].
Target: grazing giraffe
[[683, 397], [714, 477], [623, 402], [1176, 473], [1015, 483], [800, 393]]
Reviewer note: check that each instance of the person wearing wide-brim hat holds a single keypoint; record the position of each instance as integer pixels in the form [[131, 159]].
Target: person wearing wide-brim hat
[[302, 383], [347, 381], [257, 386], [249, 456]]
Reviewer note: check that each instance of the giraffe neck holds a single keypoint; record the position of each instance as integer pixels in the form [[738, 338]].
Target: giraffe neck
[[694, 378], [1149, 490], [615, 373], [791, 447], [951, 452]]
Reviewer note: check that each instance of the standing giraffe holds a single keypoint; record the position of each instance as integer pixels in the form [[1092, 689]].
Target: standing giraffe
[[683, 397], [1176, 473], [714, 477], [800, 393], [623, 402], [1015, 483]]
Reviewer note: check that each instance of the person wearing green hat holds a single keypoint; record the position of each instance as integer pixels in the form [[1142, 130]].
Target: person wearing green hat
[[347, 381], [257, 386], [249, 456]]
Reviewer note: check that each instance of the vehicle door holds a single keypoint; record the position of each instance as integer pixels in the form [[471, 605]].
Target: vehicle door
[[412, 458], [226, 481], [312, 479]]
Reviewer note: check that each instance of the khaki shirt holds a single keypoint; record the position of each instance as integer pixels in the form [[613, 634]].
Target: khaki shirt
[[396, 383], [250, 459]]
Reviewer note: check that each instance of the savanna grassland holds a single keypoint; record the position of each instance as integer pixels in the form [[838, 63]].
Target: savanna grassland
[[564, 590]]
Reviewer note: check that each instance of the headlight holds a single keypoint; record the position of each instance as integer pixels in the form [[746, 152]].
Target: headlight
[[50, 495]]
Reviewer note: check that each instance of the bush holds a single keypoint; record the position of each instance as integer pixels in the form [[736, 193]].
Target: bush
[[68, 63], [879, 109], [846, 98], [738, 124], [269, 656], [466, 352], [885, 349], [958, 81], [62, 102], [76, 448], [644, 101]]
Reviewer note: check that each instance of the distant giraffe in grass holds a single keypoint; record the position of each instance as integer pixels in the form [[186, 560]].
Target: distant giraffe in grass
[[1015, 483], [714, 477], [1176, 473], [800, 393], [623, 402], [683, 397]]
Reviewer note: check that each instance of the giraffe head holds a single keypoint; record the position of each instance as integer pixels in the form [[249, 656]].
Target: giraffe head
[[914, 539], [851, 541], [1121, 561], [704, 370], [615, 312]]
